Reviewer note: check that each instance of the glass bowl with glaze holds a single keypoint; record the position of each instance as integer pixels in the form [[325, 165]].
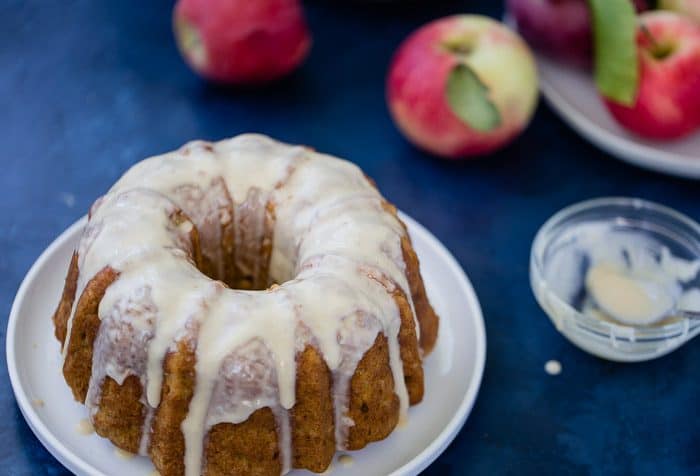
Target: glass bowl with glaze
[[558, 268]]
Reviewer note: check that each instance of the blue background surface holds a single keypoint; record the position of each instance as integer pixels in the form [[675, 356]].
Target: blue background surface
[[88, 88]]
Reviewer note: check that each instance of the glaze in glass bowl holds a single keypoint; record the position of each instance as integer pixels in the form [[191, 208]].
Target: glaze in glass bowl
[[603, 338]]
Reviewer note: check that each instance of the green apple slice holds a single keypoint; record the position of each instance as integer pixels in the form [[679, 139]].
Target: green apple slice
[[614, 25], [469, 99]]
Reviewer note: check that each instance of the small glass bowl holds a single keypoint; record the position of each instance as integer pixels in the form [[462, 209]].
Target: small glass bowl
[[655, 224]]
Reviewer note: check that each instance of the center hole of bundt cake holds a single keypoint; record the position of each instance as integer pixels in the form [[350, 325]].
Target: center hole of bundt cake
[[244, 267], [235, 244], [246, 283]]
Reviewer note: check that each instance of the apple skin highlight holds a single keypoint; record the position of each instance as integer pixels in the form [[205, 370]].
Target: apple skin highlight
[[689, 8], [667, 105], [241, 41], [416, 84]]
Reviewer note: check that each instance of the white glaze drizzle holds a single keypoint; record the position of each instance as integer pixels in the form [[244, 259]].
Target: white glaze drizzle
[[146, 431], [335, 250]]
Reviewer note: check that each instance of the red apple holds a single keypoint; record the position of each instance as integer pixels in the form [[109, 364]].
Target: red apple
[[558, 28], [462, 86], [667, 105], [241, 41], [690, 8]]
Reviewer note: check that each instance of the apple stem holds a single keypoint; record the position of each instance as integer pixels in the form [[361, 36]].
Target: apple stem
[[654, 44], [658, 50], [461, 47]]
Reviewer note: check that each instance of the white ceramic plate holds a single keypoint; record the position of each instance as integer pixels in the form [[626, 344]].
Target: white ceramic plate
[[571, 92], [453, 371]]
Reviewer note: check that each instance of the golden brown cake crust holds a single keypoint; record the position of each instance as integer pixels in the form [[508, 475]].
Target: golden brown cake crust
[[167, 444], [374, 407], [77, 368], [65, 305], [251, 447], [313, 431], [120, 415], [427, 318], [248, 448], [408, 345]]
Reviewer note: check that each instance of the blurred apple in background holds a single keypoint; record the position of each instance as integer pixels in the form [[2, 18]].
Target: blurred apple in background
[[558, 28], [462, 86], [667, 104], [690, 8], [241, 41]]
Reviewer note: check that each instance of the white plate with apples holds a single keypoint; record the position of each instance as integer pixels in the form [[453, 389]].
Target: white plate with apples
[[572, 93], [563, 30], [453, 372]]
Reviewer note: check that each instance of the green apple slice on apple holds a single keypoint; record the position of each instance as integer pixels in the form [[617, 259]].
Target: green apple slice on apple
[[614, 24]]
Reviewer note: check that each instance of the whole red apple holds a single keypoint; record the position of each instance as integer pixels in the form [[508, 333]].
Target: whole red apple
[[558, 28], [667, 105], [462, 86], [241, 41]]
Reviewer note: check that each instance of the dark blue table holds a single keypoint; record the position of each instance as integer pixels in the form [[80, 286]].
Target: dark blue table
[[89, 87]]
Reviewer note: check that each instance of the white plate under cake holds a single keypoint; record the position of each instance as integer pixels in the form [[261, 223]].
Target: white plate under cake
[[245, 307]]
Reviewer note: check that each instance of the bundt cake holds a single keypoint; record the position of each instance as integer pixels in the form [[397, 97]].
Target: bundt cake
[[244, 307]]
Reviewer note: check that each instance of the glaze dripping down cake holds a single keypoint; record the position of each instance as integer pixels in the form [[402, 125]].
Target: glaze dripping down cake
[[244, 307]]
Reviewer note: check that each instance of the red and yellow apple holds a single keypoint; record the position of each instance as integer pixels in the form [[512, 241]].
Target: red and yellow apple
[[690, 8], [241, 41], [462, 86], [667, 104]]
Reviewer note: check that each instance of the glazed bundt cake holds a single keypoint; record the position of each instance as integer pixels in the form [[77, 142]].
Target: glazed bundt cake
[[244, 307]]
